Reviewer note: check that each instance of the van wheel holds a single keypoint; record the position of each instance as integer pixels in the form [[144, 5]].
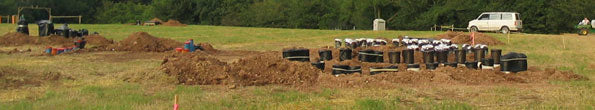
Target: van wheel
[[473, 29], [505, 30]]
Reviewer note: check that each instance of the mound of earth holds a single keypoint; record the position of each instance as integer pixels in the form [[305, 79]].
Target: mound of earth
[[96, 39], [18, 39], [197, 68], [156, 20], [173, 23], [261, 69], [270, 68], [462, 38], [15, 78], [142, 41]]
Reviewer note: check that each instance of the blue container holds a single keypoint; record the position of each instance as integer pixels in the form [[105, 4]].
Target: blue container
[[192, 48], [48, 50]]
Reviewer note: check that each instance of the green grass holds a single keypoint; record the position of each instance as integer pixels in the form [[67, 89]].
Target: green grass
[[102, 80]]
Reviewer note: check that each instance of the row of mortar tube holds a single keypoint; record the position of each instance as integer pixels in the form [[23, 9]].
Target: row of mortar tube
[[188, 47]]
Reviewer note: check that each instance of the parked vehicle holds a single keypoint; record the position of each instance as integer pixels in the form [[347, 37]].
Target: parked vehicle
[[503, 22], [586, 28]]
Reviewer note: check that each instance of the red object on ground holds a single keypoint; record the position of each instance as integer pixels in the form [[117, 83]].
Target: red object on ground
[[179, 49], [472, 38]]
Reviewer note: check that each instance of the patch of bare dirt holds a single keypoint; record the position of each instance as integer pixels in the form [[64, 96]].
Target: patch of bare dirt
[[11, 78], [172, 22], [462, 38], [156, 20]]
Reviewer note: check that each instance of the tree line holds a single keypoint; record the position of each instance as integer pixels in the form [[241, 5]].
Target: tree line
[[539, 16]]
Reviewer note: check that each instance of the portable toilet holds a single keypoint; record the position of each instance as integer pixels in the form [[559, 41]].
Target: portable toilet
[[379, 25]]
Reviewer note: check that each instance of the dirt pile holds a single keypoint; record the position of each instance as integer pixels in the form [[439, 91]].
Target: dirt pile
[[156, 20], [142, 41], [173, 23], [18, 39], [462, 38], [270, 68], [14, 78], [96, 39], [197, 68], [261, 69]]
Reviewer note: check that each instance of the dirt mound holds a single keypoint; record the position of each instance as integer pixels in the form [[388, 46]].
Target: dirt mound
[[18, 39], [96, 39], [156, 20], [207, 47], [197, 68], [173, 23], [261, 69], [462, 38], [142, 41], [15, 78], [270, 68]]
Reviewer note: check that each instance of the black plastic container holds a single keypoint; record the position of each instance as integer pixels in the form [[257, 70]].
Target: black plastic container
[[461, 56], [471, 65], [302, 55], [354, 69], [379, 56], [394, 57], [46, 28], [454, 65], [377, 70], [442, 56], [487, 62], [479, 54], [504, 66], [428, 57], [73, 33], [345, 54], [496, 54], [431, 66], [340, 69], [325, 55], [319, 65], [396, 43], [515, 62], [23, 27], [408, 56]]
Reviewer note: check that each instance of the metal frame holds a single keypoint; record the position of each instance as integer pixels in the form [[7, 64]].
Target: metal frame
[[49, 10]]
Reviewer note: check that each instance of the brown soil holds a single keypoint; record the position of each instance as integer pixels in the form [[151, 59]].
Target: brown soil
[[269, 68], [14, 78], [142, 41], [18, 39], [259, 69], [197, 68], [156, 20], [95, 39], [462, 38], [173, 23]]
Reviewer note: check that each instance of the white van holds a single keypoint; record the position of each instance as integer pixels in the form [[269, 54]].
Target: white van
[[503, 22]]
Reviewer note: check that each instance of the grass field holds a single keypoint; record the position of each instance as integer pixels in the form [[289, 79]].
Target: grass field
[[122, 80]]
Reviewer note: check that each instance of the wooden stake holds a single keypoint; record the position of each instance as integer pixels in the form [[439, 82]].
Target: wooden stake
[[564, 42], [508, 35]]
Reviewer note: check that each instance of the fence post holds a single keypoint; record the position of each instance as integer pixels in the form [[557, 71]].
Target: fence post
[[80, 19]]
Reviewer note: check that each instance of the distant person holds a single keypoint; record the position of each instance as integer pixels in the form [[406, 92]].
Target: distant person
[[584, 22]]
